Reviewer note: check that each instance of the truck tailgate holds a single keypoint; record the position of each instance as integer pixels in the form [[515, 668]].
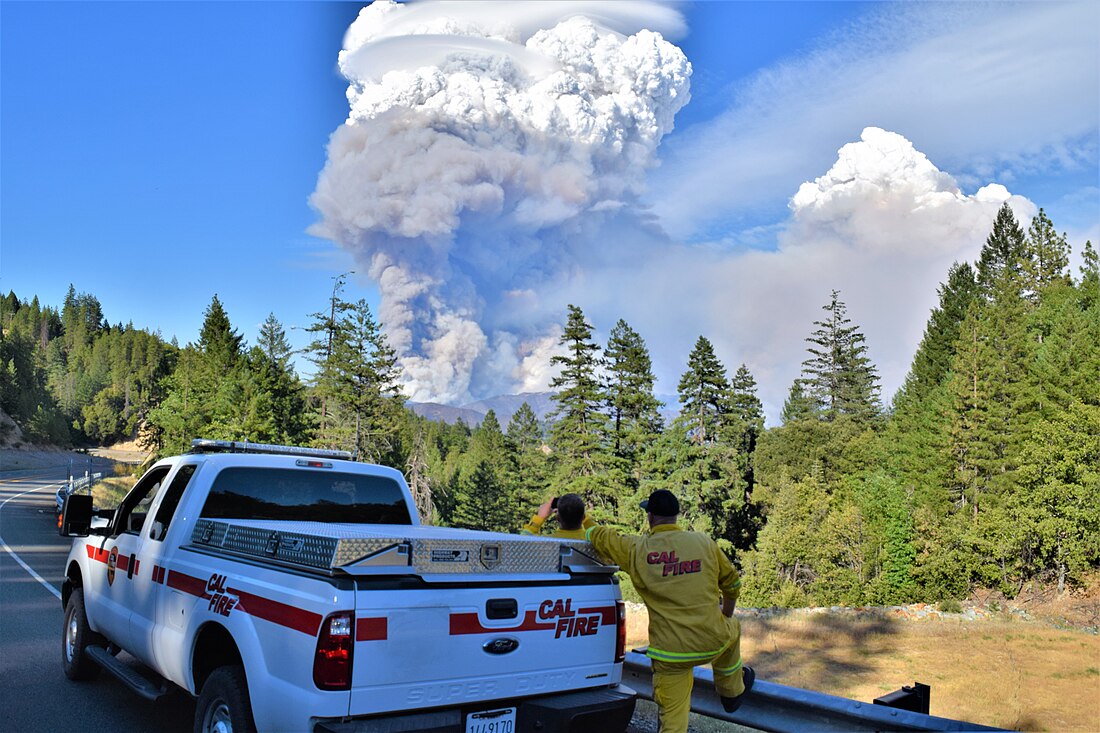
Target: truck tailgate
[[464, 643]]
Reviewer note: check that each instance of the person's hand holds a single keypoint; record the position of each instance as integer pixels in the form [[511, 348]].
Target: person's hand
[[728, 605], [544, 509]]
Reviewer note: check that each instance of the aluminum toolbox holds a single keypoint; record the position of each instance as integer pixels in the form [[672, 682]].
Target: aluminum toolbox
[[434, 553]]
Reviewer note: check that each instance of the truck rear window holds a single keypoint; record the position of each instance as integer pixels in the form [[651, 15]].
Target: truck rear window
[[305, 496]]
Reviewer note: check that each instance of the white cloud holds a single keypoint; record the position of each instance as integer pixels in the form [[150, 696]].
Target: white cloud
[[985, 89], [883, 225]]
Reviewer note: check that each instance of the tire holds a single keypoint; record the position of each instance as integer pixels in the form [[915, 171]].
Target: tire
[[224, 706], [76, 636]]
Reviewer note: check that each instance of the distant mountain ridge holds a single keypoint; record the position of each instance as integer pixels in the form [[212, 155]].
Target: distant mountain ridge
[[472, 414], [506, 405]]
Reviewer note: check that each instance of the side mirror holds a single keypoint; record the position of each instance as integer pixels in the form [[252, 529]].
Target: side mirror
[[76, 516]]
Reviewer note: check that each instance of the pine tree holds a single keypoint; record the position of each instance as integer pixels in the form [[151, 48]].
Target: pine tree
[[919, 429], [839, 376], [362, 373], [218, 340], [325, 328], [576, 436], [1045, 259], [936, 351], [704, 393], [1086, 375], [699, 457], [798, 405], [1004, 249], [748, 412], [478, 501], [273, 342], [532, 464], [635, 419], [278, 403], [1056, 509]]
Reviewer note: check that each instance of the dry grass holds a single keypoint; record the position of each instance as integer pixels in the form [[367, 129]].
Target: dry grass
[[107, 494], [1007, 673]]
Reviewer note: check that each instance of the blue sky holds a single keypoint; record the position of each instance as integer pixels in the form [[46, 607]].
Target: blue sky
[[155, 154]]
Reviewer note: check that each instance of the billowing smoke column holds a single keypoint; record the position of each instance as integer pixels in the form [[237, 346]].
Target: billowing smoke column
[[492, 152]]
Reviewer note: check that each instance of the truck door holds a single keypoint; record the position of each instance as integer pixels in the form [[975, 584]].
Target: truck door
[[119, 554], [152, 550]]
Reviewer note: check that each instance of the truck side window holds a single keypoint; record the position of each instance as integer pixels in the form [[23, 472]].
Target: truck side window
[[130, 515], [171, 500]]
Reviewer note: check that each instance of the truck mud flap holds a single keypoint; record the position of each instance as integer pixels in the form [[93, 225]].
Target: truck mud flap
[[607, 710]]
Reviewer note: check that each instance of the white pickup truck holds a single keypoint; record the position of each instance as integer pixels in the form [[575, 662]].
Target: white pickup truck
[[291, 589]]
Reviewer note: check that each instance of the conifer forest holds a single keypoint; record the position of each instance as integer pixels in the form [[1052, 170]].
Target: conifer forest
[[982, 471]]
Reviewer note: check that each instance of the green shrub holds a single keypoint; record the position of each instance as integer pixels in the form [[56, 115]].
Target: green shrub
[[627, 588], [791, 596], [950, 605]]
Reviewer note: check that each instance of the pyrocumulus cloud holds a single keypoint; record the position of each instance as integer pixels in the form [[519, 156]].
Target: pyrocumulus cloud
[[490, 154]]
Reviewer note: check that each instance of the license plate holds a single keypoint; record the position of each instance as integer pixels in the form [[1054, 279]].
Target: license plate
[[492, 721]]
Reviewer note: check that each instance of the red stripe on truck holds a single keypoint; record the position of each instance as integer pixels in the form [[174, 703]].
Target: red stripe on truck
[[371, 629], [187, 584], [607, 614], [96, 553], [469, 623], [291, 617]]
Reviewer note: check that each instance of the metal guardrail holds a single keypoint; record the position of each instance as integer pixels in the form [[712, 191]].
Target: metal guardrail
[[73, 485], [774, 707]]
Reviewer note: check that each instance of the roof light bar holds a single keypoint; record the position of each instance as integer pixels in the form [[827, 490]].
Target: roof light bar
[[205, 445]]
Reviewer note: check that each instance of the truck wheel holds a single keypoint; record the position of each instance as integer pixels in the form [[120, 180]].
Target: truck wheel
[[223, 705], [75, 638]]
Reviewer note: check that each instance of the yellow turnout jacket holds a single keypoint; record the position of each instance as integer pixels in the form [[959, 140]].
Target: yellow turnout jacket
[[535, 527], [681, 576]]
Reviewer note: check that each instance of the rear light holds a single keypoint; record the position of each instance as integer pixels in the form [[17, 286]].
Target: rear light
[[332, 663], [620, 631]]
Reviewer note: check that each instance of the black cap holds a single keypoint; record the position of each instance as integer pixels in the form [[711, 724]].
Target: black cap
[[663, 503]]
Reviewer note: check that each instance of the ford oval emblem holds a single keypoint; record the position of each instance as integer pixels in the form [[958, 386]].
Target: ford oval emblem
[[500, 646]]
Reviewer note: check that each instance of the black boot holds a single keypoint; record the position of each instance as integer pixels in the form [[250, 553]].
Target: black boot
[[732, 703]]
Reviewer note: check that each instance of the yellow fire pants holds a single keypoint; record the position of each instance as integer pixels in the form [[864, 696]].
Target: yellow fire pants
[[672, 682]]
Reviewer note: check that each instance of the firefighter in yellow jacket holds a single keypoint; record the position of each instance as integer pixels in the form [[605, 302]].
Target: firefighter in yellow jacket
[[572, 520], [682, 576]]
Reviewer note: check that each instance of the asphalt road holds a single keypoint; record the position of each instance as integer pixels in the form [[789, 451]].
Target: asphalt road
[[35, 695]]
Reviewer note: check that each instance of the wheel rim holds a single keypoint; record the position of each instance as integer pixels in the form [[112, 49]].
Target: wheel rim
[[217, 719], [70, 637]]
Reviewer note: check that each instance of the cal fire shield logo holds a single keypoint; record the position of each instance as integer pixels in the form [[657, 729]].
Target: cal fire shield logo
[[112, 563]]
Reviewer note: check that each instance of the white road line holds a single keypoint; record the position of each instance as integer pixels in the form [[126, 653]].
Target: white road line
[[15, 555]]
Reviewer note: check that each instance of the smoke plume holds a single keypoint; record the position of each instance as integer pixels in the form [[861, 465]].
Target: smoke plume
[[494, 154]]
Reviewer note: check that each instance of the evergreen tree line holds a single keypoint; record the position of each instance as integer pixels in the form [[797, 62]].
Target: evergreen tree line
[[71, 378], [984, 470]]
